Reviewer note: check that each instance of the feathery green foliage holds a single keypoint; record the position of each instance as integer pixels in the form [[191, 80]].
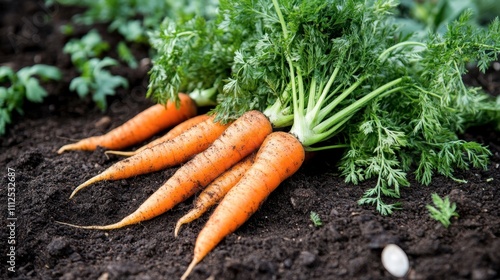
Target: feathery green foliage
[[315, 219], [443, 211], [340, 74], [194, 54]]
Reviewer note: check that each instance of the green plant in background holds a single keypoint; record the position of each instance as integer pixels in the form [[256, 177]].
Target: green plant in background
[[134, 19], [126, 55], [90, 45], [444, 211], [487, 10], [432, 15], [20, 86], [94, 78], [421, 16], [97, 80], [67, 29]]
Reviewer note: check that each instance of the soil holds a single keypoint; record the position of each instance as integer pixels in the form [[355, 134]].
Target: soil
[[278, 242]]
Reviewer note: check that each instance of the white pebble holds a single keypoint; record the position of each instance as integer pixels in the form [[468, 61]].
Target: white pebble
[[496, 66], [395, 260]]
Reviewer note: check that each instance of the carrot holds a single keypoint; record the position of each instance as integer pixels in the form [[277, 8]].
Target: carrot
[[214, 192], [167, 154], [279, 157], [239, 140], [174, 132], [144, 125]]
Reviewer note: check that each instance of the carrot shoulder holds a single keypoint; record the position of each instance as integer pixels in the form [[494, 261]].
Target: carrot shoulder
[[279, 157], [214, 192], [167, 154], [144, 125], [171, 134], [239, 140]]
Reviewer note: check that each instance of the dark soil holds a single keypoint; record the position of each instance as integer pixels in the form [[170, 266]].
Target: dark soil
[[278, 242]]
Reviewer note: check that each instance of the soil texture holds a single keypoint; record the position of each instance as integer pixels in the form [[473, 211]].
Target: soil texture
[[278, 242]]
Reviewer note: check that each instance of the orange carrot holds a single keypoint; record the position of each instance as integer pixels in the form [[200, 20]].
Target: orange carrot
[[214, 192], [279, 157], [167, 154], [174, 132], [239, 140], [144, 125]]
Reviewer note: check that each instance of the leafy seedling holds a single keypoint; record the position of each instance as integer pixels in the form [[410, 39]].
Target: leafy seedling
[[20, 86], [94, 77], [89, 46], [123, 15], [443, 211], [133, 31], [67, 29], [126, 55], [97, 80], [315, 218]]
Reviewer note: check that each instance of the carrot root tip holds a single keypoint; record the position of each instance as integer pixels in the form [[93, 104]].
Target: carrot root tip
[[65, 148], [75, 191], [82, 186], [77, 226], [120, 153], [189, 269], [177, 228], [106, 227]]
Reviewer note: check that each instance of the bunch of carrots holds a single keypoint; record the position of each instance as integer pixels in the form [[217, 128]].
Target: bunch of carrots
[[317, 72], [237, 164]]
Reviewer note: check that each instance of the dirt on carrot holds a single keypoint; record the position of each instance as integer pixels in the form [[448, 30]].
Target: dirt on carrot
[[214, 192], [171, 134]]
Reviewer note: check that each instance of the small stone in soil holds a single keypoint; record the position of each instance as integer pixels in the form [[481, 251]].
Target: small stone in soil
[[307, 258], [58, 247], [288, 263], [395, 260]]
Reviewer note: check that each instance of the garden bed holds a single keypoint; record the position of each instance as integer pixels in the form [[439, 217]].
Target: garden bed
[[278, 242]]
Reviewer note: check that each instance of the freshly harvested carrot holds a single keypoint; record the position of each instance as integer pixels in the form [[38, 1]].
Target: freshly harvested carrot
[[174, 132], [144, 125], [214, 192], [167, 154], [279, 157], [240, 139]]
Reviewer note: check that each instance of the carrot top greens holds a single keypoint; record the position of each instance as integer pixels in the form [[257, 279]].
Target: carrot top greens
[[194, 55], [340, 74]]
